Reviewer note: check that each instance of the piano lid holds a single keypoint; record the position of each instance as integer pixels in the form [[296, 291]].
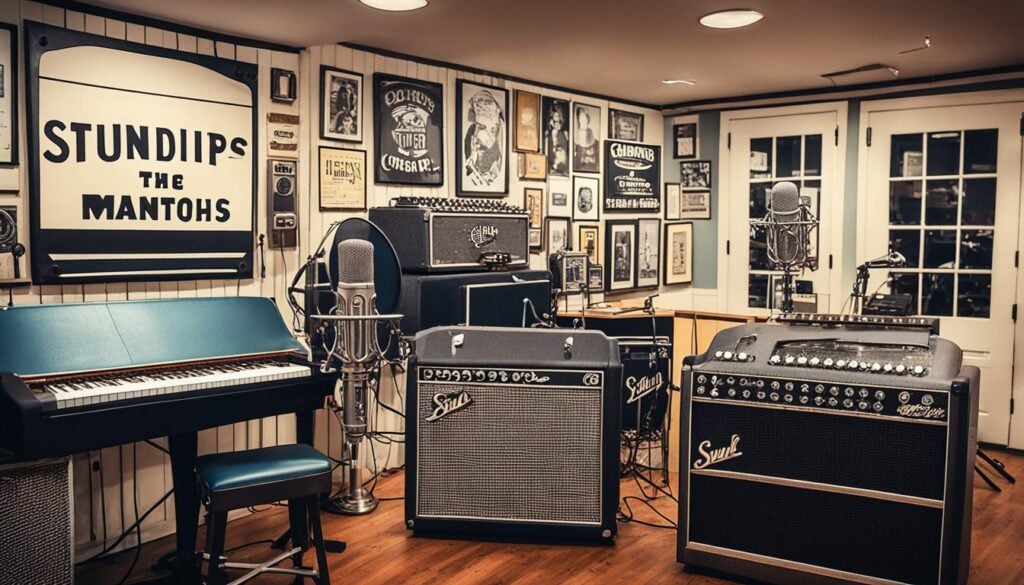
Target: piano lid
[[38, 340]]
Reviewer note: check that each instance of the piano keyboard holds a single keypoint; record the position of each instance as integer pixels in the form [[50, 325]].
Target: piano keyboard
[[93, 390]]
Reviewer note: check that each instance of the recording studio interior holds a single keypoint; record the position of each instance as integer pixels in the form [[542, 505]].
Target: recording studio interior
[[519, 292]]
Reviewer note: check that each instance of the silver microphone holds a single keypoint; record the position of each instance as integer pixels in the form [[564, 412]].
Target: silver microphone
[[786, 234], [891, 260]]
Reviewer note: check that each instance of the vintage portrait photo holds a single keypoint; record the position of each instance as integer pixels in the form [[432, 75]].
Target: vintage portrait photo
[[624, 125], [678, 253], [341, 104], [648, 252], [527, 132], [558, 234], [685, 140], [556, 135], [619, 254], [695, 174], [586, 205], [559, 197], [482, 114], [535, 205], [588, 239], [586, 143]]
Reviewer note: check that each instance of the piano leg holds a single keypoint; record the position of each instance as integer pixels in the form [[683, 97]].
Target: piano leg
[[183, 450]]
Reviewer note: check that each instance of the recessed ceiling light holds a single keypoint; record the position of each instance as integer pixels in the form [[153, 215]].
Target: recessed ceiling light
[[395, 5], [731, 18], [683, 81]]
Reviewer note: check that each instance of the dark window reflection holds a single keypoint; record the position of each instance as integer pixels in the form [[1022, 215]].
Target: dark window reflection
[[759, 248], [905, 203], [974, 295], [976, 249], [937, 294], [812, 155], [787, 151], [943, 153], [760, 158], [979, 202], [904, 283], [939, 248], [757, 291], [907, 152], [941, 201], [908, 243], [759, 196], [980, 148]]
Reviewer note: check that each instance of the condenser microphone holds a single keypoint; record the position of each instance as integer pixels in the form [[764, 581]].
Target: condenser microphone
[[785, 240], [355, 299]]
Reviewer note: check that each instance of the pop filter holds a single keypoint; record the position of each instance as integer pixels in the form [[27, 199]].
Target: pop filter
[[387, 272]]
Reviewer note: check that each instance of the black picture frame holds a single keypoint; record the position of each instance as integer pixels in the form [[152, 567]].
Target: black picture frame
[[611, 253], [685, 226], [696, 175], [12, 79], [613, 131], [282, 85], [595, 278], [461, 189], [585, 182], [691, 215], [430, 97], [326, 116], [556, 139], [581, 159], [683, 131], [632, 177]]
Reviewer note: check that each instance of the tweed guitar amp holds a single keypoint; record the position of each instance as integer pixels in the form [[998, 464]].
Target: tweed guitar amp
[[437, 234], [832, 452], [513, 432]]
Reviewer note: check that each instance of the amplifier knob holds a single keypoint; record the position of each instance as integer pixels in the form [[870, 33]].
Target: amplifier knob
[[742, 356], [802, 361], [746, 393], [814, 362], [819, 389], [701, 390], [727, 355], [774, 396], [805, 388], [760, 395], [714, 392], [827, 363], [927, 400], [775, 359], [863, 393], [834, 390], [805, 399], [701, 379], [879, 395], [818, 400], [789, 360], [730, 380], [901, 369], [904, 397], [718, 354], [732, 393], [832, 402], [865, 366], [863, 405], [853, 365], [789, 386], [876, 367], [918, 371], [848, 392], [775, 385], [788, 398], [840, 364], [744, 382], [848, 403], [877, 406], [760, 384], [887, 368]]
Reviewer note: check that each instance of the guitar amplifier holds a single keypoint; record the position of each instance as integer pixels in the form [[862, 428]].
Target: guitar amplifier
[[446, 235], [828, 453], [513, 433], [37, 540]]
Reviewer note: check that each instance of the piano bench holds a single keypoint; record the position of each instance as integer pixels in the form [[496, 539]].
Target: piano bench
[[230, 481]]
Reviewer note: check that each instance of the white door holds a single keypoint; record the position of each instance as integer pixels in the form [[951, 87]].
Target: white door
[[941, 185], [763, 151]]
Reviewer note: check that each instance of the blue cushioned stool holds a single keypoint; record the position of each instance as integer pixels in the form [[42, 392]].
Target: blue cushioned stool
[[230, 481]]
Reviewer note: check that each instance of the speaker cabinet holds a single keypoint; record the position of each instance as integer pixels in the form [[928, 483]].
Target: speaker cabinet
[[36, 539]]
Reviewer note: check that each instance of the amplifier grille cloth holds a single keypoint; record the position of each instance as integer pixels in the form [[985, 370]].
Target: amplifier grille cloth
[[35, 529], [510, 455]]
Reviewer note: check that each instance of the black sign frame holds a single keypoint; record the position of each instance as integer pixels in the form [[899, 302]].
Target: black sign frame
[[381, 116], [625, 190]]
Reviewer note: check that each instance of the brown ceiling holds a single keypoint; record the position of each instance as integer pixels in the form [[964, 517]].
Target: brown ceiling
[[624, 48]]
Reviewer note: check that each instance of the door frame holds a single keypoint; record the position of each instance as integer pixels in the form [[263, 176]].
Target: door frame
[[837, 187]]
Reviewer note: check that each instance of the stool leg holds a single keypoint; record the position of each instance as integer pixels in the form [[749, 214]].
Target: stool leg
[[298, 522], [215, 533], [312, 504]]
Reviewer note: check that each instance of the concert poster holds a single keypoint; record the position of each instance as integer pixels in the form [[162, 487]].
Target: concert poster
[[408, 131]]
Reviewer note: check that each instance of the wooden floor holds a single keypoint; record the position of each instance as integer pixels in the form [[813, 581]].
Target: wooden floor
[[380, 550]]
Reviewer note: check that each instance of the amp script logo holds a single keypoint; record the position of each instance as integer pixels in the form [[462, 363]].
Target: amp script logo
[[709, 456], [640, 387], [446, 404], [482, 235]]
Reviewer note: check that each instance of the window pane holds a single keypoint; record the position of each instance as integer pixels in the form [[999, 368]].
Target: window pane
[[812, 155], [759, 248], [939, 248], [943, 153], [979, 206], [941, 201], [976, 249], [907, 150], [759, 195], [974, 295], [980, 147], [908, 243], [760, 158], [937, 294], [787, 151], [904, 283], [757, 291], [905, 203]]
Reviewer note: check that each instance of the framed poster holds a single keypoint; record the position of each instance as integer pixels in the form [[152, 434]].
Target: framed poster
[[695, 174], [586, 142], [481, 130], [585, 192], [341, 104], [678, 253], [632, 177], [648, 252], [624, 125], [342, 179], [535, 206], [558, 234], [595, 282], [157, 208], [532, 166], [559, 197], [8, 94], [695, 205], [672, 201], [556, 135], [536, 238], [619, 254], [527, 133], [408, 131], [684, 140], [588, 239], [282, 135], [574, 272]]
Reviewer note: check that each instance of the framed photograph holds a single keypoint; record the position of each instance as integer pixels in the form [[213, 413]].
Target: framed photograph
[[648, 252], [672, 201], [535, 206], [574, 272], [282, 85], [527, 133], [684, 143], [342, 179], [559, 197], [588, 240], [556, 135], [558, 234], [586, 141], [695, 174], [532, 166], [678, 253], [481, 129], [536, 238], [585, 194], [408, 137], [595, 281], [624, 125], [341, 104], [8, 94], [695, 205], [632, 177], [619, 254]]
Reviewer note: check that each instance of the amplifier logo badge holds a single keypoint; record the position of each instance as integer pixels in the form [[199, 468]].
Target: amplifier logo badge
[[709, 456], [921, 411], [638, 388], [449, 403], [483, 234]]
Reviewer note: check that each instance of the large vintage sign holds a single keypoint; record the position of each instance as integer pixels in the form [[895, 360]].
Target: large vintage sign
[[631, 177], [143, 161], [408, 131]]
